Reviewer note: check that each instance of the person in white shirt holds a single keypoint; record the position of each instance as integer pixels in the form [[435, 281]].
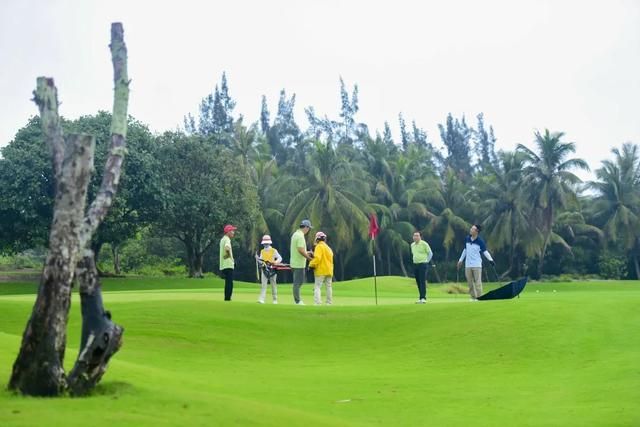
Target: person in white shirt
[[474, 246]]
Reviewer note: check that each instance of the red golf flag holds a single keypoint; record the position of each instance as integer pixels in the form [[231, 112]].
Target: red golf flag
[[373, 226]]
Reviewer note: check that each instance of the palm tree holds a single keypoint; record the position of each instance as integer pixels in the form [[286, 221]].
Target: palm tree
[[503, 210], [377, 161], [549, 181], [617, 204], [266, 178], [400, 183], [447, 198], [243, 142], [394, 235], [332, 197], [575, 228]]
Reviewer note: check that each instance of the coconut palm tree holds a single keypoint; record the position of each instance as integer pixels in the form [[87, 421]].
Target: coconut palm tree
[[332, 196], [244, 143], [549, 182], [377, 161], [387, 184], [616, 207], [447, 200], [401, 182], [394, 237], [503, 210]]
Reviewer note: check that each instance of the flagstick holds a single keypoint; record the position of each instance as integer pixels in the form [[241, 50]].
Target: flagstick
[[373, 230], [375, 282]]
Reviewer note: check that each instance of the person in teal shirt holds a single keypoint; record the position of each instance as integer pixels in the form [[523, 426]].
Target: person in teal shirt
[[422, 254], [299, 257], [227, 263]]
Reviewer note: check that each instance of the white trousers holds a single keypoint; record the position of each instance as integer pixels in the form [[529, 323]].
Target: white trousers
[[317, 285], [274, 288]]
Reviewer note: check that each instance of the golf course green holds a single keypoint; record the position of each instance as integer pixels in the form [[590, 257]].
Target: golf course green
[[564, 354]]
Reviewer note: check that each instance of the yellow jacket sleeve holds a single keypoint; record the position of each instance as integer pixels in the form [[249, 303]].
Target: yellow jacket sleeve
[[317, 257]]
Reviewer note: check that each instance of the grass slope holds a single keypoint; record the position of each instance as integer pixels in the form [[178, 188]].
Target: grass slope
[[549, 358]]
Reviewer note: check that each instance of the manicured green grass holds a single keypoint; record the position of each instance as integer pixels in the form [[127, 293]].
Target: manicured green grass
[[561, 358]]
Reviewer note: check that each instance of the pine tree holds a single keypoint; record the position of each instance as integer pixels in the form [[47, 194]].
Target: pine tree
[[190, 124], [223, 107], [224, 118], [285, 133], [288, 130], [348, 110], [215, 115], [419, 135], [264, 116], [456, 136], [387, 138], [405, 138], [205, 121], [484, 145]]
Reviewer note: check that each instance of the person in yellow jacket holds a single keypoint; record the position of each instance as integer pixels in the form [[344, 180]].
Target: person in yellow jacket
[[322, 264], [268, 257]]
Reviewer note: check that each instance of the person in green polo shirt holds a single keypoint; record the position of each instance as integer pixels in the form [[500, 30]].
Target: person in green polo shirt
[[422, 254], [227, 263], [299, 257]]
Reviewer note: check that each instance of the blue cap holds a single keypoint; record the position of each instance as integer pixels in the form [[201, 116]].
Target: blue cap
[[305, 223]]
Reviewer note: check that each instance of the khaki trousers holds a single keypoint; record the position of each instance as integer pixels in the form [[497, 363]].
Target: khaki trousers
[[474, 279]]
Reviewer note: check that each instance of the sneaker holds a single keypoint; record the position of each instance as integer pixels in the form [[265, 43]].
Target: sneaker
[[424, 300], [421, 301], [260, 302], [300, 303], [275, 302]]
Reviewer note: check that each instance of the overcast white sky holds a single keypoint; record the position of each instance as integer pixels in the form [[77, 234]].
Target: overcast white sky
[[572, 66]]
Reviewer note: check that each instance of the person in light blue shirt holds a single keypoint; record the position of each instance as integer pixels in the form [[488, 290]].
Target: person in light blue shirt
[[474, 247]]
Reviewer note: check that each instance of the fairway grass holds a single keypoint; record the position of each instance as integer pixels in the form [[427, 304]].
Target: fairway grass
[[564, 358]]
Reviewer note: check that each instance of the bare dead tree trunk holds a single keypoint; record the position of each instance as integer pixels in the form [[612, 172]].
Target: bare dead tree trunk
[[101, 338], [96, 247], [38, 369]]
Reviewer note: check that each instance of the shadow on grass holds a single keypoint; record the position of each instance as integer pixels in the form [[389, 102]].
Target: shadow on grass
[[113, 389]]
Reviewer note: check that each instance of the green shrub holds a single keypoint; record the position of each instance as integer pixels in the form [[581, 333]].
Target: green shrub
[[30, 259], [612, 266], [162, 267]]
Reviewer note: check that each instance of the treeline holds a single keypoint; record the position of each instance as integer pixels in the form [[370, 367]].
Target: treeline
[[179, 188]]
